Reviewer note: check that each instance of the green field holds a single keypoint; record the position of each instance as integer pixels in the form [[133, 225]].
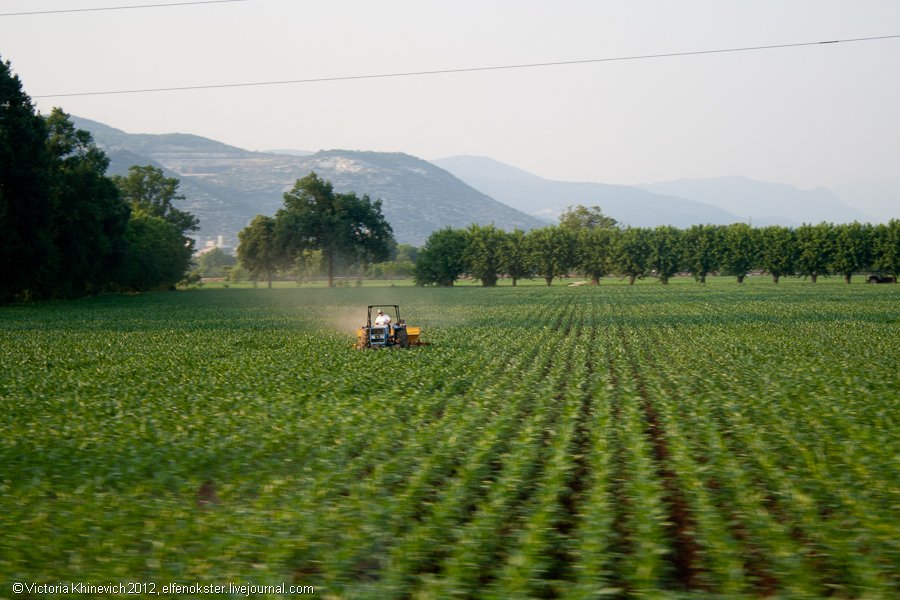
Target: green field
[[681, 441]]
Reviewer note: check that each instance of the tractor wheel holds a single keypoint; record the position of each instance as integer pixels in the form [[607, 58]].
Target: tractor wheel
[[364, 340], [400, 337]]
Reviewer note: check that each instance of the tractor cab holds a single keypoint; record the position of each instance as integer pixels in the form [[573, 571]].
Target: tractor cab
[[388, 335]]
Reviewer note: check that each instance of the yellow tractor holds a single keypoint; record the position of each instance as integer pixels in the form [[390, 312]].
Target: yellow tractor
[[394, 334]]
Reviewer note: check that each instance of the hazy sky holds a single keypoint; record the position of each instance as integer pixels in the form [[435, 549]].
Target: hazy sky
[[817, 115]]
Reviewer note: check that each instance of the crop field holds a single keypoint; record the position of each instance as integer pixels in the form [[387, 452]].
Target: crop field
[[681, 441]]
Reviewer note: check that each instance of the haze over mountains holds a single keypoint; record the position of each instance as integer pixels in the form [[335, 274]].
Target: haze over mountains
[[227, 186], [681, 203]]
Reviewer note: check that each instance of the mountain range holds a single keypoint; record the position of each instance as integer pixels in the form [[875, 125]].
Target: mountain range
[[226, 187], [681, 203]]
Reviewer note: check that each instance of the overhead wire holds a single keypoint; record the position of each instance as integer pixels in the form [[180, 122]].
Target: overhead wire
[[465, 70], [75, 10]]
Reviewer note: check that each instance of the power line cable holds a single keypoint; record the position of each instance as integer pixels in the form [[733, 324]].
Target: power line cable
[[465, 70], [73, 10]]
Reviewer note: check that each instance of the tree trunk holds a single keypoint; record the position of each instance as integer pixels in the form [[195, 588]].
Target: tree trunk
[[330, 270], [664, 280], [514, 281], [595, 281], [740, 278], [703, 278], [813, 276], [847, 277], [775, 277], [549, 279], [270, 280], [631, 282]]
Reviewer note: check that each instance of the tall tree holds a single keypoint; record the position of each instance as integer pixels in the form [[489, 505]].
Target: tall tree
[[552, 251], [777, 251], [514, 256], [582, 217], [887, 248], [664, 257], [156, 257], [148, 190], [90, 219], [440, 261], [315, 217], [259, 250], [484, 245], [27, 205], [701, 250], [632, 254], [150, 195], [595, 252], [815, 246], [852, 251], [740, 250]]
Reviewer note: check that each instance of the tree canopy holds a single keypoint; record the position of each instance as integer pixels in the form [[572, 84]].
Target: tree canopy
[[315, 217]]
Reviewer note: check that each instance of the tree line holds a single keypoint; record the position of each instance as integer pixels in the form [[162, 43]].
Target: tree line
[[593, 244], [66, 229]]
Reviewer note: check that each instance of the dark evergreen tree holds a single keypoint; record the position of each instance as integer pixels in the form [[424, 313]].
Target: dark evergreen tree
[[27, 204], [90, 218]]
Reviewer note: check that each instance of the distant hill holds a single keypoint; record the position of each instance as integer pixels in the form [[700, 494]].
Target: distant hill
[[765, 202], [877, 197], [227, 186], [546, 198]]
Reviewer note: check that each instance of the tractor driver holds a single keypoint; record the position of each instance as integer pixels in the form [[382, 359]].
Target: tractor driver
[[382, 319]]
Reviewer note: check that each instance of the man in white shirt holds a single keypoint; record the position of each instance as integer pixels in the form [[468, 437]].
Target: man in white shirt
[[382, 319]]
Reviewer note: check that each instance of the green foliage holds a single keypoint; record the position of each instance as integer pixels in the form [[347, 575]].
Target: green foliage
[[778, 251], [815, 249], [148, 190], [595, 254], [314, 217], [406, 253], [259, 251], [483, 252], [90, 219], [887, 248], [211, 263], [440, 261], [632, 254], [664, 244], [552, 251], [27, 204], [156, 256], [515, 259], [701, 250], [740, 250], [852, 249], [582, 218]]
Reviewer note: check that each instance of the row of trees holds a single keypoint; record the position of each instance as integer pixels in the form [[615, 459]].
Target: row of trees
[[588, 242], [316, 226], [68, 230]]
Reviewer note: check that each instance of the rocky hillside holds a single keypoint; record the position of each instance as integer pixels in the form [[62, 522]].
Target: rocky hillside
[[226, 186]]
